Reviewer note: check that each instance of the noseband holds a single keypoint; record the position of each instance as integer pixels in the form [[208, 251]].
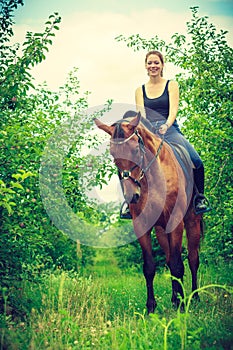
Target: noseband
[[126, 174]]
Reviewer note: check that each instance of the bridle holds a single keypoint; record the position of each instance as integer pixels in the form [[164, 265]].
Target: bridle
[[126, 174]]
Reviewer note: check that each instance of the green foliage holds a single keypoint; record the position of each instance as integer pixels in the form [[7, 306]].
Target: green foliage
[[7, 9], [7, 193], [206, 109], [15, 76], [30, 242]]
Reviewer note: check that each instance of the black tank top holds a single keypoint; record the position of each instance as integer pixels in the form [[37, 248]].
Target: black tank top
[[160, 105], [157, 109]]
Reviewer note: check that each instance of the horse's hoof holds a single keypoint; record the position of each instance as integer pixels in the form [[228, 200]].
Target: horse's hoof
[[178, 304], [150, 311], [151, 308]]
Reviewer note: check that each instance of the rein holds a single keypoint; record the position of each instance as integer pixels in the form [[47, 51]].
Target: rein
[[126, 174], [156, 155]]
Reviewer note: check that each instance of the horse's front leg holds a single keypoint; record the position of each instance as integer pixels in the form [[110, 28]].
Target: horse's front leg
[[148, 270]]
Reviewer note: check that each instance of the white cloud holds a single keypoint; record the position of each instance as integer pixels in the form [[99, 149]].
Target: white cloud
[[106, 68]]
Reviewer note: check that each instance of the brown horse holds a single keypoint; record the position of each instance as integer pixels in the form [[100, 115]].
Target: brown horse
[[155, 188]]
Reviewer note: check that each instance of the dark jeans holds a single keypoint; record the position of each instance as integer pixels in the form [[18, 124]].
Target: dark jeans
[[174, 135]]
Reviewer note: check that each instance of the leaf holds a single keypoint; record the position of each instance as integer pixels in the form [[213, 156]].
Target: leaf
[[27, 174], [7, 206], [16, 176], [16, 185]]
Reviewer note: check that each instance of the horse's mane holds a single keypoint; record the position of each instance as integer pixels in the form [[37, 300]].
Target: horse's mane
[[127, 117], [131, 114]]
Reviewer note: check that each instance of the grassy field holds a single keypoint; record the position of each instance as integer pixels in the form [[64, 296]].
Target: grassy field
[[106, 310]]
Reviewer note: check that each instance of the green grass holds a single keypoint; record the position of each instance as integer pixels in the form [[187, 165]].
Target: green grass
[[106, 310]]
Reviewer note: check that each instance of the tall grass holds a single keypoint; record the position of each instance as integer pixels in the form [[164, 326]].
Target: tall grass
[[107, 311]]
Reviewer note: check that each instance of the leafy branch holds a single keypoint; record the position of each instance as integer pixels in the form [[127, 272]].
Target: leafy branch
[[16, 78], [37, 43], [7, 193]]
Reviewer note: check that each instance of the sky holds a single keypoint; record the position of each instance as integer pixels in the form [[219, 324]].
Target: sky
[[107, 68]]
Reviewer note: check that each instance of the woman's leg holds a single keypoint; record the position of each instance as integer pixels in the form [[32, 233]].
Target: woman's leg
[[201, 203], [199, 178]]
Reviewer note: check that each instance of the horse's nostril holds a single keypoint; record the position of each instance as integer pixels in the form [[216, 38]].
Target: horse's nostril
[[135, 198]]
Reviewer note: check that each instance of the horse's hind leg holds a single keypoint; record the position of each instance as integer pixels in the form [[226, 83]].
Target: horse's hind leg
[[193, 231], [175, 264], [148, 270]]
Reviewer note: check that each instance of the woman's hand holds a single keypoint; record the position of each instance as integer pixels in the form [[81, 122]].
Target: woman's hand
[[163, 128]]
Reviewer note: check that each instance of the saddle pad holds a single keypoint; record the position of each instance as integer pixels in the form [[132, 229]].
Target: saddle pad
[[186, 164]]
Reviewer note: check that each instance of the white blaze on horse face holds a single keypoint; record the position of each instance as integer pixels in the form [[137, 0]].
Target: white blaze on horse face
[[131, 191]]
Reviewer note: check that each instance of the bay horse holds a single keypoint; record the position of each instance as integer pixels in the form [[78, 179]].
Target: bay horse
[[154, 186]]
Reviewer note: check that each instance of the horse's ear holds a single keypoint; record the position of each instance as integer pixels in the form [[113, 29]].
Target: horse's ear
[[108, 129], [135, 121]]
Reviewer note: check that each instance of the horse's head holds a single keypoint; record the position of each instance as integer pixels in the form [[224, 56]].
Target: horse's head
[[126, 147]]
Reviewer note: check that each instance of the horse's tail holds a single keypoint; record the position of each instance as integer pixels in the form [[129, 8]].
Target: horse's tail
[[202, 227]]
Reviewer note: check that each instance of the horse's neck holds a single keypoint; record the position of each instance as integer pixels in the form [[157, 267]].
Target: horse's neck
[[164, 170], [153, 152], [154, 145]]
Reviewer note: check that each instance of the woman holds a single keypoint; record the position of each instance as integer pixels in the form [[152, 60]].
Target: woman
[[158, 101]]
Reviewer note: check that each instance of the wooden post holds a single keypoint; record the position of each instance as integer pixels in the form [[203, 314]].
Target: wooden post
[[79, 255]]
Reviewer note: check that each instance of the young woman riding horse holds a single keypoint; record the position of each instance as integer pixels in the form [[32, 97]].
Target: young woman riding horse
[[159, 192]]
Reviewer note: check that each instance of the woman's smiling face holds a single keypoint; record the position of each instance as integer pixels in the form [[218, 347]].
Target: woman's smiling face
[[154, 65]]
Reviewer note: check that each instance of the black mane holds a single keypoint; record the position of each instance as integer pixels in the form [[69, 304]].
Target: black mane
[[131, 114], [119, 132]]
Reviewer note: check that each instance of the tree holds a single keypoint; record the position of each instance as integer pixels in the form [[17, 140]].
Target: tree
[[30, 242], [206, 107]]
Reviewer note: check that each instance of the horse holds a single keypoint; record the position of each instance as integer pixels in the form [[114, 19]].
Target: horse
[[155, 188]]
